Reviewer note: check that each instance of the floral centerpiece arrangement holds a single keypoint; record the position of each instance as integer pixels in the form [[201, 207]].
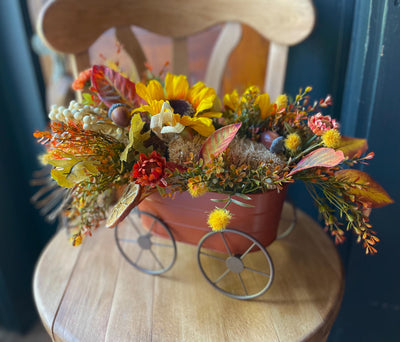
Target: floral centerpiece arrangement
[[124, 141]]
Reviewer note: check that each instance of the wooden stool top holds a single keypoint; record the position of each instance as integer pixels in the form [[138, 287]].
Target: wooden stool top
[[90, 293]]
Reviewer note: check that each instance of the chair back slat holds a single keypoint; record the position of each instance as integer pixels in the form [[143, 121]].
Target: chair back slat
[[276, 70], [227, 40], [133, 48], [180, 60], [71, 27]]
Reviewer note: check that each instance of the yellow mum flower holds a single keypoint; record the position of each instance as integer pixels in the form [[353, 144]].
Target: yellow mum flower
[[192, 106], [197, 189], [292, 142], [331, 138], [281, 101], [219, 218], [252, 91]]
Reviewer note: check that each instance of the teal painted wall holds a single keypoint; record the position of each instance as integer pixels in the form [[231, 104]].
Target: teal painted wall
[[371, 109], [354, 54], [22, 230]]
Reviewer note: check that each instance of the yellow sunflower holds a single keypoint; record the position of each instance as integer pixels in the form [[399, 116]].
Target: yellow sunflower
[[191, 106]]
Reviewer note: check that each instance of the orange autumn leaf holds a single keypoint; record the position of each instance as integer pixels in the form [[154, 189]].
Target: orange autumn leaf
[[112, 87], [370, 193], [351, 146]]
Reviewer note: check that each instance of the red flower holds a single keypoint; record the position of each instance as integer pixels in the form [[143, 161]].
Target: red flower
[[319, 123], [150, 170]]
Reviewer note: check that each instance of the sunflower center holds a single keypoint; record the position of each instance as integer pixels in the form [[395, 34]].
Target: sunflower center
[[182, 107]]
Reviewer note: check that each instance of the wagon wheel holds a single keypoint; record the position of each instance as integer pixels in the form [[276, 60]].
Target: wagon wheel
[[240, 276], [288, 220], [145, 249]]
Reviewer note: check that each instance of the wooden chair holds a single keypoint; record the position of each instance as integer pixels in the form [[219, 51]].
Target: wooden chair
[[88, 295], [72, 26]]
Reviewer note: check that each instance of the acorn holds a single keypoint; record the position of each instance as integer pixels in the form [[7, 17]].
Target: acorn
[[119, 113], [268, 137]]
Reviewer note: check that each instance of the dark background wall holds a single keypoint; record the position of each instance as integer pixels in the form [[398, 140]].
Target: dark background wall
[[354, 54], [22, 231]]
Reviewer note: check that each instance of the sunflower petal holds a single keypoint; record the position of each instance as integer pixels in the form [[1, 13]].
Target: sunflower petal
[[153, 91], [198, 93], [153, 108], [211, 115], [156, 90], [141, 90], [201, 125], [176, 86], [205, 104]]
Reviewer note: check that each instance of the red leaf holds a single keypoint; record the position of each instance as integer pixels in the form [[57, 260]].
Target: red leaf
[[218, 141], [351, 146], [323, 157], [112, 87], [371, 194]]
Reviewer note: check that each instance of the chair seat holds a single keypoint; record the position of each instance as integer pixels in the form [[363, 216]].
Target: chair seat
[[90, 293]]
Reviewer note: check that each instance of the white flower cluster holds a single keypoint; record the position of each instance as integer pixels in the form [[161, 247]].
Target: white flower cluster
[[92, 118]]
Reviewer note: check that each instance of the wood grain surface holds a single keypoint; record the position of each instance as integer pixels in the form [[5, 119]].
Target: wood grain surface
[[73, 27], [90, 293], [67, 25]]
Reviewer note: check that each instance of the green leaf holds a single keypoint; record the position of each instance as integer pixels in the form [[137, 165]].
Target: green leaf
[[218, 141], [322, 157], [136, 138], [242, 204], [220, 200], [369, 193], [243, 196], [87, 99], [112, 87]]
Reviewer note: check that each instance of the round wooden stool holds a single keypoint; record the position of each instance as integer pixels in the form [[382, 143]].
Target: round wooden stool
[[90, 293]]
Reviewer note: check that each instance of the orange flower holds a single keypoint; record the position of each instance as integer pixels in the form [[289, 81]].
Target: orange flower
[[82, 79]]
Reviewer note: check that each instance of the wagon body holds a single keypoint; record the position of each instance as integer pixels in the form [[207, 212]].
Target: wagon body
[[186, 217]]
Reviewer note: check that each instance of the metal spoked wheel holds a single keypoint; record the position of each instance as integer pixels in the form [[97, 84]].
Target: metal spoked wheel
[[151, 250], [288, 220], [241, 276]]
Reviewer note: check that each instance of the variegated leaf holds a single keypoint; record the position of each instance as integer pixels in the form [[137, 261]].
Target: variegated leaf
[[218, 141], [322, 157], [112, 87]]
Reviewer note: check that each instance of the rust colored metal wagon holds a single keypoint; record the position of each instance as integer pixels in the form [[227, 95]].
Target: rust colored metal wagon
[[234, 260]]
